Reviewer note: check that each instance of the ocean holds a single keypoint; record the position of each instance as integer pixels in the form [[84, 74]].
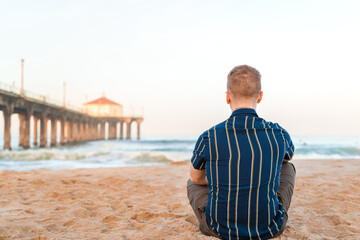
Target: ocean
[[152, 151]]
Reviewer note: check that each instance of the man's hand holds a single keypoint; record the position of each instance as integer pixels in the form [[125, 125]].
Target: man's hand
[[198, 176]]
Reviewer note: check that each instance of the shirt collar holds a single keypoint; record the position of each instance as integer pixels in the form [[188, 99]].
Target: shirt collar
[[244, 111]]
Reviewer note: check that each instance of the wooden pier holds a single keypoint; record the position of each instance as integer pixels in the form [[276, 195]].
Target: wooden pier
[[75, 126]]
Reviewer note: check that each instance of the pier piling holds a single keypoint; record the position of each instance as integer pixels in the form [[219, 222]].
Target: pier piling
[[7, 126]]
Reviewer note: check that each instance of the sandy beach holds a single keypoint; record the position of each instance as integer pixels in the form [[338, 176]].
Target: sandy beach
[[151, 203]]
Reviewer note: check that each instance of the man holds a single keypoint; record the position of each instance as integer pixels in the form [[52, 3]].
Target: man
[[241, 182]]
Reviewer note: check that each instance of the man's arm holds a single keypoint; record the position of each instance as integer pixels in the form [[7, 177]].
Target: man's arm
[[289, 147], [198, 160], [288, 157], [198, 176], [290, 152]]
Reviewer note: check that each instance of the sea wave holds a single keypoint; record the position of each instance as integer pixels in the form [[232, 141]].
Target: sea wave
[[327, 147], [328, 152], [47, 154], [151, 158], [50, 160]]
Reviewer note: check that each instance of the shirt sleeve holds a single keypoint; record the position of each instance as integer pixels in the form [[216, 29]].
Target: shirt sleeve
[[290, 148], [200, 152]]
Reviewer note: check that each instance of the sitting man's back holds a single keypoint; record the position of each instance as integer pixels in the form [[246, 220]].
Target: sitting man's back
[[241, 160]]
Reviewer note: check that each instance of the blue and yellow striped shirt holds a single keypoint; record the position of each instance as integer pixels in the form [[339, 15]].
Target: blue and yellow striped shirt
[[242, 157]]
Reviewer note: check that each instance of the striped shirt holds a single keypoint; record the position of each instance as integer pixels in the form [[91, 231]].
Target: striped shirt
[[242, 157]]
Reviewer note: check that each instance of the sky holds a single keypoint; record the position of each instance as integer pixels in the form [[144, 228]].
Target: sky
[[171, 58]]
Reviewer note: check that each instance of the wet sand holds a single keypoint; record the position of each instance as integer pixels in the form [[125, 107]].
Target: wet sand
[[151, 203]]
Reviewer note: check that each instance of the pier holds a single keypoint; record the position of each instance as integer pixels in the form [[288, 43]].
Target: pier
[[75, 124]]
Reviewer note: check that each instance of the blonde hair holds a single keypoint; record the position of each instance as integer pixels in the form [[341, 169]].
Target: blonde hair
[[244, 82]]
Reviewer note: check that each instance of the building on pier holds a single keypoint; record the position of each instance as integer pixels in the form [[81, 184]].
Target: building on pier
[[103, 107]]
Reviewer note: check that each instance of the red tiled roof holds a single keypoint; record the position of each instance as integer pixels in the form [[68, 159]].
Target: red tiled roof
[[102, 100]]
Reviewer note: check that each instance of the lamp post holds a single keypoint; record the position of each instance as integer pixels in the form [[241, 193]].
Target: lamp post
[[64, 96], [22, 78]]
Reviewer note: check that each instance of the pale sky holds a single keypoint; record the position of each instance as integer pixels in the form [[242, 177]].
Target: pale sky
[[172, 58]]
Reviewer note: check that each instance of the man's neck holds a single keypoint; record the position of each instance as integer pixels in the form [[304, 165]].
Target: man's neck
[[238, 106]]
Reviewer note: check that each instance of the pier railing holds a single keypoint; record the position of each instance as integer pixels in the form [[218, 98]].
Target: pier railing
[[48, 100], [39, 97]]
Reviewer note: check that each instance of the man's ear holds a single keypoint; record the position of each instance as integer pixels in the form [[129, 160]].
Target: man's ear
[[228, 100], [260, 97]]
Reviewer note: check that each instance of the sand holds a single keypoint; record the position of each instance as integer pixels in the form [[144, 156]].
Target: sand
[[151, 203]]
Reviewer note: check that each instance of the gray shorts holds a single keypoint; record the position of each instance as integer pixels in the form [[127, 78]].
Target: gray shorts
[[198, 197]]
